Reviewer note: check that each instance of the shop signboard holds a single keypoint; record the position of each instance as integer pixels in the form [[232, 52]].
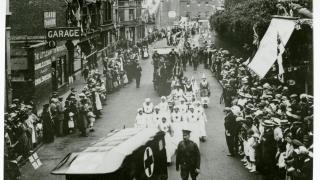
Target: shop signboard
[[19, 63], [49, 19], [63, 33], [43, 59]]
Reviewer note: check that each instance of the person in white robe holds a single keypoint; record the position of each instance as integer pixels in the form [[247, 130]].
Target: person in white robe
[[140, 119], [183, 107], [165, 126], [177, 124], [163, 105], [177, 94], [195, 87], [192, 119], [202, 120], [148, 109], [156, 118]]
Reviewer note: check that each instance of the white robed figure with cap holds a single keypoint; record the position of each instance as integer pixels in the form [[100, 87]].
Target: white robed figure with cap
[[148, 109], [163, 105], [195, 87], [204, 91], [193, 125], [202, 120], [165, 126], [178, 122], [156, 118], [140, 119]]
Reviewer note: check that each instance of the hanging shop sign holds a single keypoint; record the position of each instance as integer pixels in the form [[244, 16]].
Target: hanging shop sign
[[49, 19], [63, 33]]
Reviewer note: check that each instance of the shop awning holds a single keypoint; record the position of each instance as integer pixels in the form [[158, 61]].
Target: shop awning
[[266, 54]]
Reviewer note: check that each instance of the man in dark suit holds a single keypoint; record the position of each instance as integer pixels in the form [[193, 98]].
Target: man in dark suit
[[188, 157], [138, 75], [230, 126]]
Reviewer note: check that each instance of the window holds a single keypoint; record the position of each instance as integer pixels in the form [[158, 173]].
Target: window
[[121, 15], [107, 12], [131, 14]]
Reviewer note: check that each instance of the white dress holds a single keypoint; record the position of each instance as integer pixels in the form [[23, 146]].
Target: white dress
[[164, 107], [156, 118], [170, 146], [202, 121], [177, 125], [98, 101], [140, 121], [193, 124], [148, 111]]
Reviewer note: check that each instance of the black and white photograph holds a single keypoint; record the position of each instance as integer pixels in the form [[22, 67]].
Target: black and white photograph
[[160, 90]]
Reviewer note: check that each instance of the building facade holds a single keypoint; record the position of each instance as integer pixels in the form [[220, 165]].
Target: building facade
[[128, 19], [39, 68], [198, 9]]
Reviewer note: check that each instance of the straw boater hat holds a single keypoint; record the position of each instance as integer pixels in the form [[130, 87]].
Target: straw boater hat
[[147, 100], [268, 123], [280, 122]]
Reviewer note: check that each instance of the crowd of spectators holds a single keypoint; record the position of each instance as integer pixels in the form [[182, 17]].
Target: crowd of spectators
[[268, 124], [25, 129]]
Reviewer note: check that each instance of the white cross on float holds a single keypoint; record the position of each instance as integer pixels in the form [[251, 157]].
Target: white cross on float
[[148, 162]]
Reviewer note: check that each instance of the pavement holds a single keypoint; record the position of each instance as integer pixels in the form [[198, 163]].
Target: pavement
[[120, 112]]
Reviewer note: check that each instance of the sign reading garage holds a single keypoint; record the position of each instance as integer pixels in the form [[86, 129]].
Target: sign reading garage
[[63, 33]]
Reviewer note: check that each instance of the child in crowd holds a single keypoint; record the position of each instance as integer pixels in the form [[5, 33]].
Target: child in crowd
[[91, 118]]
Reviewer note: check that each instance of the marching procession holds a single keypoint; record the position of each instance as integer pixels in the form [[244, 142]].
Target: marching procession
[[268, 125]]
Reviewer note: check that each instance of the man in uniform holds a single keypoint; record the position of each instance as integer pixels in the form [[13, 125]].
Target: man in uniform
[[188, 157]]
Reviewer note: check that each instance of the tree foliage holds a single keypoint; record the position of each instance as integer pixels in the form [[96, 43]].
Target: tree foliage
[[236, 22]]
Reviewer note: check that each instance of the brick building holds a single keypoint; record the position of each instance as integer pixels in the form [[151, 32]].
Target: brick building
[[202, 9], [128, 17], [38, 69]]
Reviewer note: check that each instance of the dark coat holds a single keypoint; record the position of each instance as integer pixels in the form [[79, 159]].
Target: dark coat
[[48, 127], [188, 154], [230, 124]]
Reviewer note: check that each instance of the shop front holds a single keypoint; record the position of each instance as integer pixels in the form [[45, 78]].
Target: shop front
[[50, 70]]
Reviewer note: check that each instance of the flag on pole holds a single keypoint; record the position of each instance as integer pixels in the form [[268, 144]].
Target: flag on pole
[[35, 161], [280, 50]]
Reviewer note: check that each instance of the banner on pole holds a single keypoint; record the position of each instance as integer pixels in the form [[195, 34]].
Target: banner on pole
[[267, 54]]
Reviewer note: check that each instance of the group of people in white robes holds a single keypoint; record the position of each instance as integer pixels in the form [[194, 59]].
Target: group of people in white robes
[[172, 114]]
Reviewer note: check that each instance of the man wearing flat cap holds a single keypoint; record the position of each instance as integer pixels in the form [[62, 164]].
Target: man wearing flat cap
[[188, 157]]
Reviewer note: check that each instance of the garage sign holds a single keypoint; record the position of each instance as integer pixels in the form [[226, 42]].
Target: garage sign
[[63, 33]]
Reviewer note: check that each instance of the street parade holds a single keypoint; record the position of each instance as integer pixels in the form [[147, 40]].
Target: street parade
[[188, 94]]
